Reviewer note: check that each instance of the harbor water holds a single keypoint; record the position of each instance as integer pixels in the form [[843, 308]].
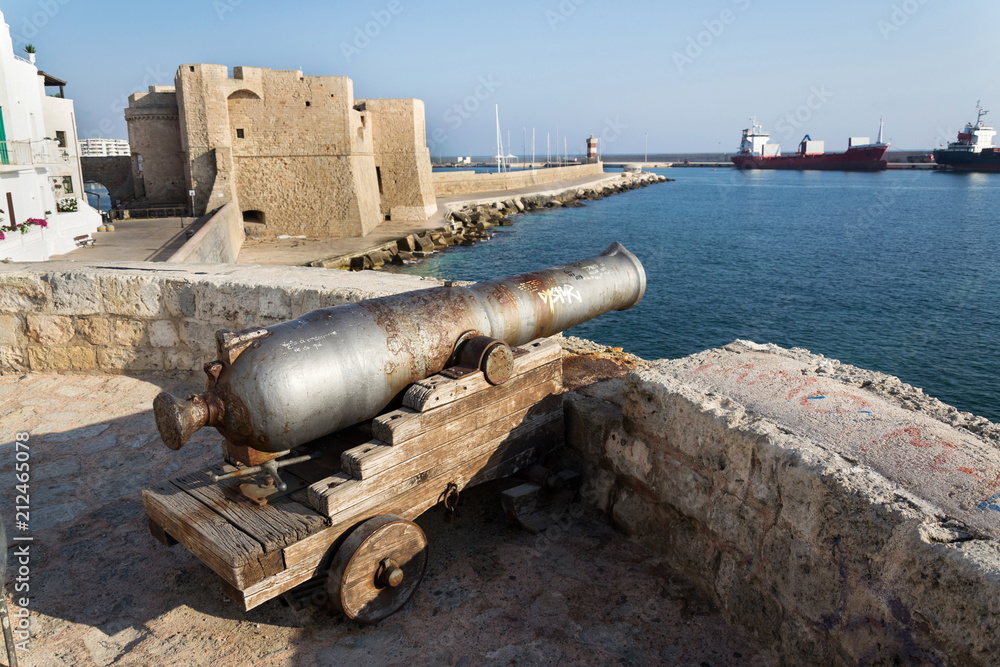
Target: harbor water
[[894, 271]]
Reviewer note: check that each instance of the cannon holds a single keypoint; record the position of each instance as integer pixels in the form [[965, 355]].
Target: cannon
[[479, 386], [278, 387]]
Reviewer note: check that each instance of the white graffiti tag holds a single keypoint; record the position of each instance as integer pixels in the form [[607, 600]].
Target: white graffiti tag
[[561, 294], [313, 342]]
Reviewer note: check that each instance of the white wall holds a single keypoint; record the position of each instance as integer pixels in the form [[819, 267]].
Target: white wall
[[29, 116]]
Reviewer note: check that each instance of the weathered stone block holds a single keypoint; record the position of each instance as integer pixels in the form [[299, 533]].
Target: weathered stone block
[[178, 298], [12, 359], [128, 332], [598, 488], [76, 293], [229, 305], [95, 330], [50, 329], [129, 359], [131, 295], [11, 329], [304, 300], [200, 338], [61, 358], [274, 302], [22, 292], [163, 333], [589, 422], [639, 517], [179, 359]]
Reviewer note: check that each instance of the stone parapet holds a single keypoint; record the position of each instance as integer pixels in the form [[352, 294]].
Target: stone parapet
[[137, 316], [218, 241], [448, 183], [838, 515]]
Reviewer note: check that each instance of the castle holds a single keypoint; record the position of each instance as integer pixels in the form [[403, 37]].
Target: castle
[[298, 155]]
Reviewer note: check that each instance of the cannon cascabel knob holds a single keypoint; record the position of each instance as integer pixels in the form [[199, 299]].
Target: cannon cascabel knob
[[178, 419]]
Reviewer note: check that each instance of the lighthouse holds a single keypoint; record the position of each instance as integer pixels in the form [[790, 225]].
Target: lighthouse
[[591, 148]]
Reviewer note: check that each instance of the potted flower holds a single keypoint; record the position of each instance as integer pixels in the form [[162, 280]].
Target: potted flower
[[30, 50]]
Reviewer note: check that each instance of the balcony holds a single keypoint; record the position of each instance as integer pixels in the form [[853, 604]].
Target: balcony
[[15, 155]]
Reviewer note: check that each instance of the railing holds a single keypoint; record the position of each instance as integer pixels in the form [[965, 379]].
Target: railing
[[30, 152]]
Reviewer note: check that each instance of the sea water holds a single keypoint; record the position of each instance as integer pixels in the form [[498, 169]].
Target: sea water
[[896, 271]]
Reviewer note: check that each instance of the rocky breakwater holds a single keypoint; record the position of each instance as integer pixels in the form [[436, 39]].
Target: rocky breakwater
[[469, 222]]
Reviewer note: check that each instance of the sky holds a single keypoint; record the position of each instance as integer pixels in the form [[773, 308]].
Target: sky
[[667, 76]]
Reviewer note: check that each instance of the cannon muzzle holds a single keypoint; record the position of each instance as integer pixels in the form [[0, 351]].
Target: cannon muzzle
[[278, 387]]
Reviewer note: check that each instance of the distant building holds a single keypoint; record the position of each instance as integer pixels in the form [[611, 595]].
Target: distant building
[[298, 154], [104, 148], [40, 176]]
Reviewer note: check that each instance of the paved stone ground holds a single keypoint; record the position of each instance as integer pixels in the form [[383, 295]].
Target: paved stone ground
[[146, 240], [103, 591]]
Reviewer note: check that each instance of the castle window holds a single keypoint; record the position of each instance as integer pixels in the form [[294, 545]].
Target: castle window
[[240, 134], [308, 104]]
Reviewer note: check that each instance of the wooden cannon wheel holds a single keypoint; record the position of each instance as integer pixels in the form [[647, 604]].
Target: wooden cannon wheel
[[377, 568]]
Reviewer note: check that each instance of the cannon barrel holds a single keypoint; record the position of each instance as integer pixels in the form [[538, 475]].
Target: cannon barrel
[[278, 387]]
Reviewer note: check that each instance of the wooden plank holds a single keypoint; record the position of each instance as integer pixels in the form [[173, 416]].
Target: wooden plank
[[332, 446], [344, 497], [458, 436], [398, 426], [310, 557], [228, 551], [440, 390], [275, 525], [162, 536]]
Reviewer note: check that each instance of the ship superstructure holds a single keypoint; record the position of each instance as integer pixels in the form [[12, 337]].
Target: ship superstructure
[[973, 150]]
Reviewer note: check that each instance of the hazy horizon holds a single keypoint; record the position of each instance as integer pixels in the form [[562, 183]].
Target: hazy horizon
[[679, 77]]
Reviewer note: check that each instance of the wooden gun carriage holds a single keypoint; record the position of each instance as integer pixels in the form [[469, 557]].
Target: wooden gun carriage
[[289, 398]]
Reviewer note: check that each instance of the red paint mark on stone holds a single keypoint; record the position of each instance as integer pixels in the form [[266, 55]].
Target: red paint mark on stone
[[785, 376], [917, 438]]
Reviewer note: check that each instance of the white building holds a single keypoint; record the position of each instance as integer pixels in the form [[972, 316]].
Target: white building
[[40, 175], [104, 147]]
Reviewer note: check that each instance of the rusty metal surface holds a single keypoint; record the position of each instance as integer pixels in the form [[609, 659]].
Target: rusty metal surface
[[493, 357], [338, 366]]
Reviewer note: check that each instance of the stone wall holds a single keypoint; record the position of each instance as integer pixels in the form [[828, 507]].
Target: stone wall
[[155, 139], [297, 153], [114, 173], [70, 316], [836, 514], [217, 242], [468, 182], [301, 154], [402, 159]]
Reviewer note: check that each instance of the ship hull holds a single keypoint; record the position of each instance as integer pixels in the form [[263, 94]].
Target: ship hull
[[985, 161], [854, 159]]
